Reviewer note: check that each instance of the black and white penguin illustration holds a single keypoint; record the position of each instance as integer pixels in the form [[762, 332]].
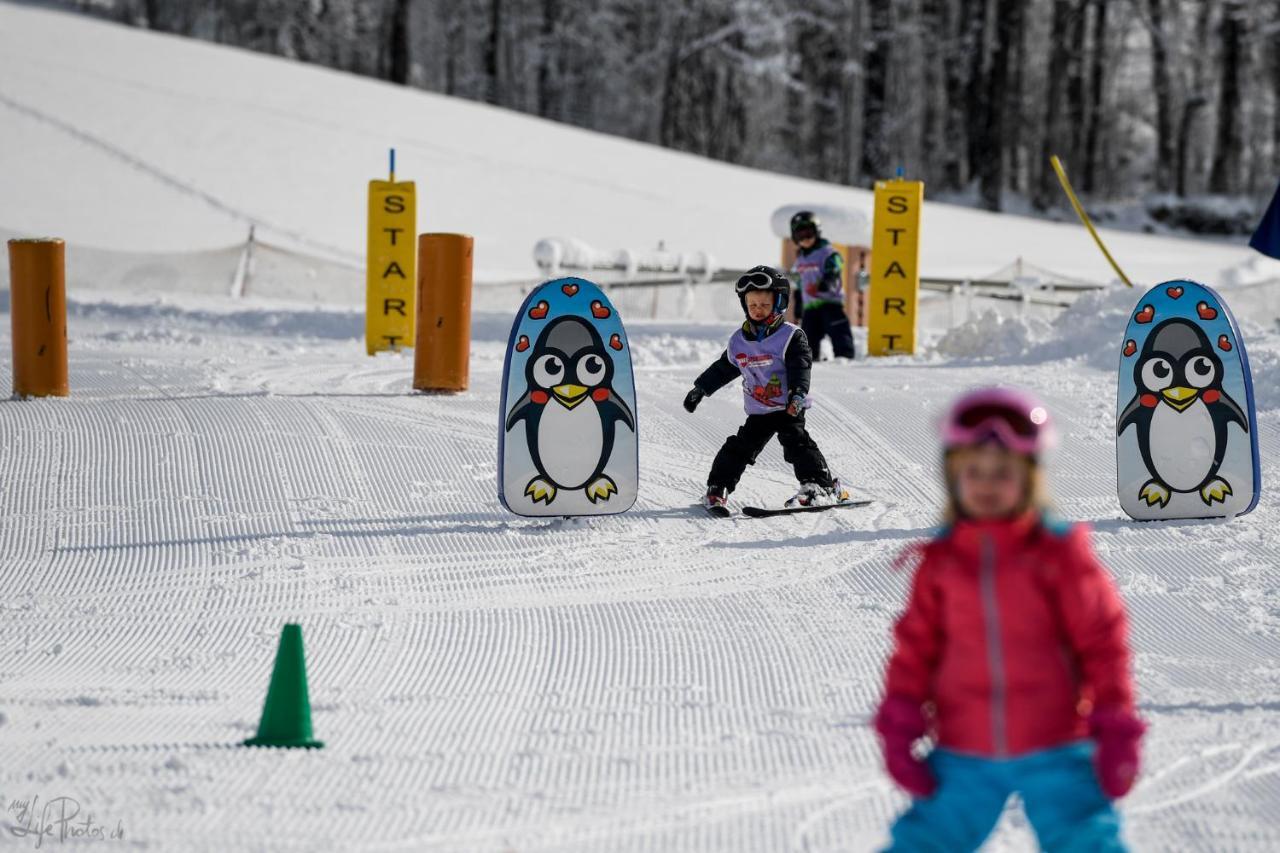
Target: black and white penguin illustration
[[570, 411], [1181, 412]]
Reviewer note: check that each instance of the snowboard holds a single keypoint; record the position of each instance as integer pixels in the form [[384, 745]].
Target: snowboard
[[769, 512], [1186, 425], [567, 422]]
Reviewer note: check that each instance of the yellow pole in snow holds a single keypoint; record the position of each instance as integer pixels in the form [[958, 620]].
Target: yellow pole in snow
[[1084, 217]]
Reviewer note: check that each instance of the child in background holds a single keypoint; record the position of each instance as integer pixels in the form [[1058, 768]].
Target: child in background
[[772, 358], [1012, 655], [821, 271]]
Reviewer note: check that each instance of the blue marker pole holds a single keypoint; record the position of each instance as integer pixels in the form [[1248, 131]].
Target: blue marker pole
[[901, 172], [393, 165]]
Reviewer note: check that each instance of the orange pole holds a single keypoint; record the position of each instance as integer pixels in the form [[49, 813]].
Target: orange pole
[[442, 352], [38, 311], [788, 259]]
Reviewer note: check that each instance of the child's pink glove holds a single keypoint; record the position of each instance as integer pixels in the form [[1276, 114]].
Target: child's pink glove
[[900, 723], [1118, 734]]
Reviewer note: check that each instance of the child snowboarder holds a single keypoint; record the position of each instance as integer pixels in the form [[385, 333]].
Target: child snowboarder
[[1012, 655], [821, 270], [772, 357]]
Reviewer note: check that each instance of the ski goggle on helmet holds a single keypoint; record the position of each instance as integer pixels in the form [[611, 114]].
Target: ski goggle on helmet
[[1013, 419], [765, 279]]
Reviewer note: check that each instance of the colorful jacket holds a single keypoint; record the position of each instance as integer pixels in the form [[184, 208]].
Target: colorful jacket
[[821, 273], [1013, 632], [797, 362]]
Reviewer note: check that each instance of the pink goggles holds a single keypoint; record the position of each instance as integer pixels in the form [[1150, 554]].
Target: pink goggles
[[1011, 418]]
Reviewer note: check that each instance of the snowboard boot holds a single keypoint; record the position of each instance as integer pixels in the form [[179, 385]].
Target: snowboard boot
[[716, 500], [815, 494]]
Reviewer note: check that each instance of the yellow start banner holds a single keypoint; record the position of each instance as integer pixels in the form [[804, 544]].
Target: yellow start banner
[[895, 268], [391, 284]]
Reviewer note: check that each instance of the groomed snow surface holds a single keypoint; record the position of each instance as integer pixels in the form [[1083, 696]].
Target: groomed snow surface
[[657, 681]]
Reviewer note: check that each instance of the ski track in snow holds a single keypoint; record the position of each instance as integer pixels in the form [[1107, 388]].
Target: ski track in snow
[[650, 682]]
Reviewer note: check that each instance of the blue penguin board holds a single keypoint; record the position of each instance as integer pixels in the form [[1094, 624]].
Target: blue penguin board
[[1186, 429], [567, 436]]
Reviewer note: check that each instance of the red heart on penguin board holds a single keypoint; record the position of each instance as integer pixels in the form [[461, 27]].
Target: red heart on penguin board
[[1175, 291], [1206, 311], [569, 289], [1224, 343], [599, 311], [522, 344], [1130, 347], [616, 342], [540, 310], [1145, 315]]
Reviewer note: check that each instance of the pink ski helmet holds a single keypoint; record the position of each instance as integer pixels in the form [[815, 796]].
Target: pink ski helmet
[[1012, 418]]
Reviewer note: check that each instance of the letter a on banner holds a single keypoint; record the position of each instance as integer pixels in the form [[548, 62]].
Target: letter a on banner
[[895, 268], [392, 275]]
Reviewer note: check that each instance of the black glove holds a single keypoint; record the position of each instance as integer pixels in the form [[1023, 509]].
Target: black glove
[[693, 398]]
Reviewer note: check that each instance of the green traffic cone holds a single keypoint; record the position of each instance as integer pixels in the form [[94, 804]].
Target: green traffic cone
[[286, 716]]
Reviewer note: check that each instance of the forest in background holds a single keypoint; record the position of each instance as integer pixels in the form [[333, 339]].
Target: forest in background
[[1171, 103]]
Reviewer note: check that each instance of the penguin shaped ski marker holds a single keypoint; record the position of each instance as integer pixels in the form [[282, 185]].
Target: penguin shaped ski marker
[[1187, 432], [567, 438]]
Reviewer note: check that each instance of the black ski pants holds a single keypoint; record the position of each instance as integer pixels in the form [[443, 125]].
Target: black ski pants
[[828, 318], [741, 450]]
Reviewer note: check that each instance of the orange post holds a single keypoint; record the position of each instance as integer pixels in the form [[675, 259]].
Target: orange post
[[442, 355], [788, 260], [38, 310]]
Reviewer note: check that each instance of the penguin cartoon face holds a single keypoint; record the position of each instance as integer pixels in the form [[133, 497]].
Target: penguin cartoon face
[[1177, 365], [569, 363]]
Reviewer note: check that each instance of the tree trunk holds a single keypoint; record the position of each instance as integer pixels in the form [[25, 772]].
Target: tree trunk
[[1225, 175], [547, 96], [1162, 84], [978, 107], [875, 153], [1097, 92], [492, 49], [398, 47], [956, 126], [1054, 135], [991, 166]]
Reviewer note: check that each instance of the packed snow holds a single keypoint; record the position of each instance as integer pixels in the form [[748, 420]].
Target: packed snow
[[654, 681]]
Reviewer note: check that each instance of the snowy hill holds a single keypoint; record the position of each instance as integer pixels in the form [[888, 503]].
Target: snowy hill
[[654, 681], [136, 141]]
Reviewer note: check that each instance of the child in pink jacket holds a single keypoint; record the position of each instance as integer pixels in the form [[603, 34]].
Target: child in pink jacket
[[1012, 655]]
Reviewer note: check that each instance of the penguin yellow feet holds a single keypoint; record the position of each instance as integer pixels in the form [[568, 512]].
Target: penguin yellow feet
[[601, 488], [540, 490], [1216, 489], [1155, 493]]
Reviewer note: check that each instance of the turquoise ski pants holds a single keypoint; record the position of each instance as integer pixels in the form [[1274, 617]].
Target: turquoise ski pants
[[1059, 791]]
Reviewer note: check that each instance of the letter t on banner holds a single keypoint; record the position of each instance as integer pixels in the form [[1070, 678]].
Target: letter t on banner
[[895, 268], [391, 279]]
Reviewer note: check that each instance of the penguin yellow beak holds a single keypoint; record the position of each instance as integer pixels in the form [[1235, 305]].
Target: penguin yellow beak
[[1180, 397], [570, 395]]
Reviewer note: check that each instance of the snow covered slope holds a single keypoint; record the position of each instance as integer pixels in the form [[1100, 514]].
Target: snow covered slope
[[656, 681], [123, 138]]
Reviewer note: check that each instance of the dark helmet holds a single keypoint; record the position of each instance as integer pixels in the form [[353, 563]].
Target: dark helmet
[[765, 278], [805, 220]]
